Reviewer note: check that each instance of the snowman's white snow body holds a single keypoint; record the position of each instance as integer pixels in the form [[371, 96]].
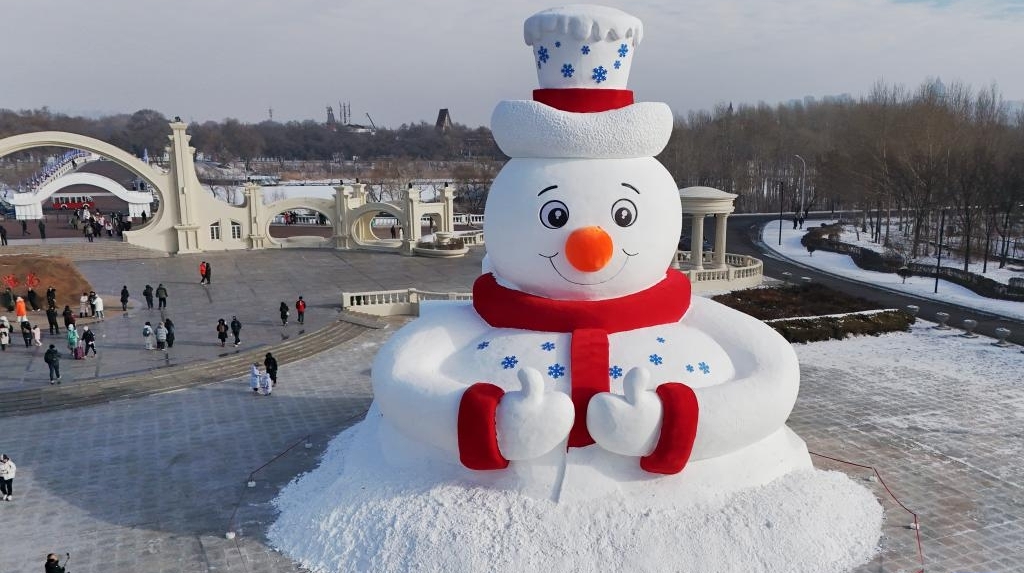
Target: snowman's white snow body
[[585, 177]]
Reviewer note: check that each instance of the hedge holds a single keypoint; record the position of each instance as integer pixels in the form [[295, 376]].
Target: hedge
[[817, 329]]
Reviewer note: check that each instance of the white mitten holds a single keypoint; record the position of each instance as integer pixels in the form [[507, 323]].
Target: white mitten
[[629, 425], [532, 421]]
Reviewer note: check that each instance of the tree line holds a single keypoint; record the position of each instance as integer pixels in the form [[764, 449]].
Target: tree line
[[913, 156], [231, 140]]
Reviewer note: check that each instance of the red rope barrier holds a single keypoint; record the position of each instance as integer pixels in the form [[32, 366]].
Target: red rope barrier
[[917, 523]]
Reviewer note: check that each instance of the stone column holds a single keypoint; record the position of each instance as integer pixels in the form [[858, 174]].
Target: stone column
[[257, 218], [697, 242], [720, 225]]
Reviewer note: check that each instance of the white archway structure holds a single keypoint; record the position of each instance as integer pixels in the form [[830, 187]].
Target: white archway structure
[[191, 220], [30, 205]]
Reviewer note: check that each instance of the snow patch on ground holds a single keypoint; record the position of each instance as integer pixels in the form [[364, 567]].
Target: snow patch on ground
[[843, 265], [358, 513]]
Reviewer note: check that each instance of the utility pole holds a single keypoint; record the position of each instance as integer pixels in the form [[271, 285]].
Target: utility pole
[[782, 186], [938, 259], [803, 175]]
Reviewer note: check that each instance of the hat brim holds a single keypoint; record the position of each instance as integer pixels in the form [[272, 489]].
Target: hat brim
[[525, 128]]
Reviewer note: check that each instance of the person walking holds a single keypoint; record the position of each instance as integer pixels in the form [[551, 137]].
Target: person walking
[[222, 332], [83, 305], [5, 333], [69, 317], [283, 309], [254, 378], [300, 310], [51, 319], [147, 335], [124, 298], [170, 332], [89, 338], [52, 564], [236, 329], [98, 305], [270, 363], [7, 471], [161, 336], [92, 303], [3, 236], [202, 272], [72, 339], [24, 228], [20, 310], [88, 230], [52, 359], [209, 272], [37, 335], [26, 333], [161, 296], [148, 294], [51, 296], [42, 229], [33, 299]]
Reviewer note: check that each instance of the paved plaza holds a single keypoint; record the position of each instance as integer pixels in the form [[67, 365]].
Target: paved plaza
[[152, 484]]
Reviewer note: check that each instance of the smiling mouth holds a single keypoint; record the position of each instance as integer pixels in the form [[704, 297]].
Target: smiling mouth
[[551, 259]]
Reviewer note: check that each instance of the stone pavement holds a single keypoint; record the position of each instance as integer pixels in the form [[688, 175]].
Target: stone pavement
[[249, 284]]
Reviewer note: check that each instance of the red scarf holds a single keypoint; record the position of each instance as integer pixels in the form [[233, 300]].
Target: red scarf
[[590, 323]]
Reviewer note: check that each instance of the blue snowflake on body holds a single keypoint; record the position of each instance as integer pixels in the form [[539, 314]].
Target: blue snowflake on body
[[615, 372], [542, 54], [704, 368], [549, 346], [623, 50], [585, 50], [509, 362], [567, 70], [660, 339], [617, 64], [483, 345], [556, 371], [558, 44], [655, 359], [689, 367], [600, 74]]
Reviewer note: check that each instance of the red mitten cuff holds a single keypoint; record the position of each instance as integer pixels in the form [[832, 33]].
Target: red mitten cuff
[[678, 430], [478, 433]]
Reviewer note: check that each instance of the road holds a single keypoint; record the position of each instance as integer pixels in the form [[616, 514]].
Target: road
[[743, 237]]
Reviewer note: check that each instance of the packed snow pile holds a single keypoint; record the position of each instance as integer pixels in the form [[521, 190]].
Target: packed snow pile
[[357, 512]]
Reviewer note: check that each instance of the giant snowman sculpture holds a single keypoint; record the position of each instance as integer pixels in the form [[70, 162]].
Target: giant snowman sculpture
[[584, 386]]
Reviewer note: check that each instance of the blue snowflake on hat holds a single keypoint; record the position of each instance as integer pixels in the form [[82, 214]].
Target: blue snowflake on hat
[[600, 74], [542, 54]]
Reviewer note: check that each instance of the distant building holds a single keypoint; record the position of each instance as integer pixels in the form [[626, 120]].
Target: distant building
[[444, 121]]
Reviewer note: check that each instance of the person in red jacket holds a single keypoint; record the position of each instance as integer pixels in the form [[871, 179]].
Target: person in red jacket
[[202, 272], [300, 308]]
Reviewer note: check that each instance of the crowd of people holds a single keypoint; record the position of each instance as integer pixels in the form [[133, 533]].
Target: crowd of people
[[43, 175]]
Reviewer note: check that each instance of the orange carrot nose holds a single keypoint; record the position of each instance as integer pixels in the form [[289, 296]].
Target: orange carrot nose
[[589, 249]]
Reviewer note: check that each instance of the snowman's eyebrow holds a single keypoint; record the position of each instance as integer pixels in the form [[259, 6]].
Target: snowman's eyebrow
[[546, 189], [631, 187]]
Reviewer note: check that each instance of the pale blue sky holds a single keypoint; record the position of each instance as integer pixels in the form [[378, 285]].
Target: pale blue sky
[[401, 60]]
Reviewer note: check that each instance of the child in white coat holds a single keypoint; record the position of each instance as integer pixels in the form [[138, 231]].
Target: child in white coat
[[266, 387], [254, 378]]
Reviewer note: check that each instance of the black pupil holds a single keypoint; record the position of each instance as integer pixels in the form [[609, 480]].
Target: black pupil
[[623, 216], [556, 217]]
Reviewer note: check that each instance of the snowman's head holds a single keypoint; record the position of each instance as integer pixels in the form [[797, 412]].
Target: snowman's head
[[582, 229]]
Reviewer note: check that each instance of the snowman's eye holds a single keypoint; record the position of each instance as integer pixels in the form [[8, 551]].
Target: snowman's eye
[[624, 212], [554, 214]]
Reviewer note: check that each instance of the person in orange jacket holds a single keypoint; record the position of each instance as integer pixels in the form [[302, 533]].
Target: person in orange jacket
[[20, 310]]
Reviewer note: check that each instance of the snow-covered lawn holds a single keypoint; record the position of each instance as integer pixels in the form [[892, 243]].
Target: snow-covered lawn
[[843, 265]]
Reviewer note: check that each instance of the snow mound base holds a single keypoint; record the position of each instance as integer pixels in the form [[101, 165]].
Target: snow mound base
[[358, 513]]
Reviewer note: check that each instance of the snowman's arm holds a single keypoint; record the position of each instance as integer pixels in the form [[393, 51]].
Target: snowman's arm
[[755, 403], [410, 382]]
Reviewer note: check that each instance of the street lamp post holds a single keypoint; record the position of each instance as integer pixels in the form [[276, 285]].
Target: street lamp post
[[781, 187], [803, 176], [938, 259]]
